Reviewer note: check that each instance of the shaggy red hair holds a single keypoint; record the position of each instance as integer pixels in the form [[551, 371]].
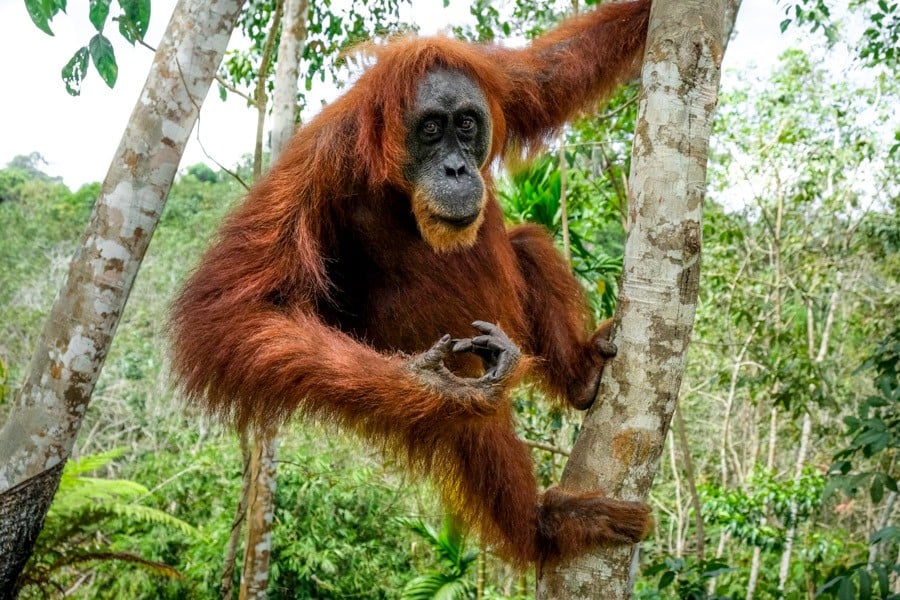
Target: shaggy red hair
[[319, 286]]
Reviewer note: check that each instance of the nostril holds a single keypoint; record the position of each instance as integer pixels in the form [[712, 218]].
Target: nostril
[[455, 171]]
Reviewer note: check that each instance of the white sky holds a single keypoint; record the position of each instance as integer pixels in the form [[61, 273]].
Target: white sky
[[78, 135]]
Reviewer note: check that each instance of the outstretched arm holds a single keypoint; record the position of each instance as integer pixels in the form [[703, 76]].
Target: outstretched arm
[[571, 67], [570, 356]]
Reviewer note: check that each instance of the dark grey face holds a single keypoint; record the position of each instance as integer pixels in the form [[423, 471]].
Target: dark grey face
[[448, 142]]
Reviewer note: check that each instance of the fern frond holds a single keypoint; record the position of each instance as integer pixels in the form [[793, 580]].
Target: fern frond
[[138, 513], [93, 462], [83, 491], [151, 566]]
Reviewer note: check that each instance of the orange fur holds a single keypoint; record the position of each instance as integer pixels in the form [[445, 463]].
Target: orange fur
[[321, 284], [441, 236]]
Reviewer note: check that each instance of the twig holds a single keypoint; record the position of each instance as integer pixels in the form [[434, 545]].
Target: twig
[[546, 447], [221, 81], [199, 141]]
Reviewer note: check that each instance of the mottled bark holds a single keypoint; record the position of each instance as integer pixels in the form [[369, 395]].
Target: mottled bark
[[22, 509], [260, 516], [48, 411], [287, 71], [623, 435]]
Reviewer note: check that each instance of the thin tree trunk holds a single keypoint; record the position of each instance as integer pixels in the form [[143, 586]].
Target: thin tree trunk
[[791, 534], [806, 432], [756, 561], [563, 200], [237, 525], [260, 515], [260, 97], [262, 479], [678, 516], [287, 69], [729, 408], [692, 485], [41, 430], [874, 549], [623, 434]]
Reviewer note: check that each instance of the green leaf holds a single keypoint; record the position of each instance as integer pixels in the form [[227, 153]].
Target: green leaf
[[98, 13], [75, 70], [846, 590], [666, 580], [876, 490], [40, 15], [865, 585], [423, 586], [134, 22], [785, 24], [104, 59], [883, 581], [889, 533], [127, 30]]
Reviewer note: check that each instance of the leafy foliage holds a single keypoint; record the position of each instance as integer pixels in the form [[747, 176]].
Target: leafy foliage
[[451, 581], [43, 11], [133, 23], [800, 183], [880, 39], [331, 30], [75, 70], [87, 523], [743, 512], [686, 577], [875, 429], [860, 581]]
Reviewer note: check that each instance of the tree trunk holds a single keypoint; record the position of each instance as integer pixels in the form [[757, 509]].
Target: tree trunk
[[756, 561], [623, 434], [806, 432], [287, 69], [785, 568], [875, 549], [692, 486], [260, 515], [237, 525], [38, 437], [292, 15]]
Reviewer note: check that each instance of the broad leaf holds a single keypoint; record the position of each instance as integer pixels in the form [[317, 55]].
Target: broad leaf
[[98, 13], [104, 59], [75, 70], [135, 20], [40, 14]]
